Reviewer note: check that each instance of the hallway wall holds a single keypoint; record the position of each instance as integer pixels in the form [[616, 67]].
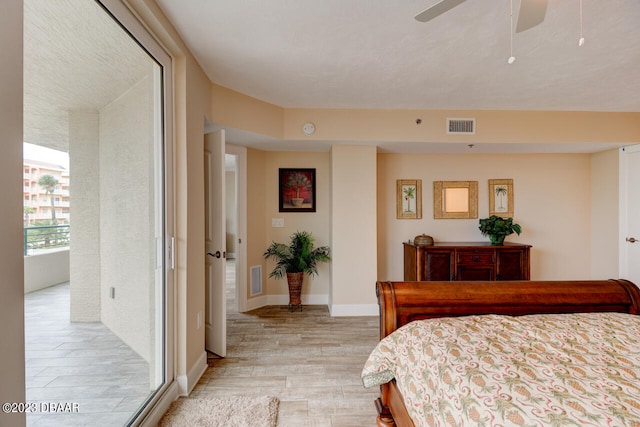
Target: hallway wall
[[11, 251]]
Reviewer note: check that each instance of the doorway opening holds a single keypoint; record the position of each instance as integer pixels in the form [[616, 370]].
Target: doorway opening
[[237, 213], [231, 226]]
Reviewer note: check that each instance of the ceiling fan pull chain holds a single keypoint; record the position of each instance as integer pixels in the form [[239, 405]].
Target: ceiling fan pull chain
[[511, 57], [581, 39]]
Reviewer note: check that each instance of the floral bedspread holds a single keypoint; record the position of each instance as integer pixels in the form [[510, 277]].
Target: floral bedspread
[[538, 370]]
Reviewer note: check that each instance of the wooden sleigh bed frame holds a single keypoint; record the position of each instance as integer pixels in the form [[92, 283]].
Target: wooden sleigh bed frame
[[403, 302]]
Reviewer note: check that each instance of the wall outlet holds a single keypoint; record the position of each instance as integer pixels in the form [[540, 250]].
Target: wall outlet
[[112, 292], [277, 222], [199, 319]]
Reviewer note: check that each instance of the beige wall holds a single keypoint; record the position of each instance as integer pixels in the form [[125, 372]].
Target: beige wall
[[492, 126], [353, 230], [552, 204], [11, 255], [190, 215], [256, 223], [234, 109], [240, 111], [554, 201], [604, 214], [315, 289], [345, 220]]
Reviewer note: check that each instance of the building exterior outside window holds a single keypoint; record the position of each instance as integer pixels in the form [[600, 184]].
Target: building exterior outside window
[[36, 201]]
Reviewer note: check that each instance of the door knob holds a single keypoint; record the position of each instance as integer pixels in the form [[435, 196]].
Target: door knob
[[216, 255], [631, 239]]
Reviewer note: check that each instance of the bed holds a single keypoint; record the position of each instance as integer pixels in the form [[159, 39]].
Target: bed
[[497, 308]]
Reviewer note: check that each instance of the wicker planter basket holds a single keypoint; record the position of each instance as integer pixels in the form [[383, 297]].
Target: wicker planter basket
[[294, 280]]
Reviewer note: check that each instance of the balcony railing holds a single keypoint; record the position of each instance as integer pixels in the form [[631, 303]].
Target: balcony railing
[[45, 237]]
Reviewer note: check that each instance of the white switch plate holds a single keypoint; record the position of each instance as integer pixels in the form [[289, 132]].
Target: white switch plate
[[277, 222], [199, 319]]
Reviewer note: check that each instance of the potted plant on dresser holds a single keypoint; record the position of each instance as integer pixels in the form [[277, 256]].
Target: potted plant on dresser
[[296, 259], [498, 228]]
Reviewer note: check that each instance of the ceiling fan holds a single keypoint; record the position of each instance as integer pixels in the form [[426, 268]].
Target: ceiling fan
[[531, 12]]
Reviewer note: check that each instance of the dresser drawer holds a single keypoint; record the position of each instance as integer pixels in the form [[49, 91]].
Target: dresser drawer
[[467, 261], [473, 256]]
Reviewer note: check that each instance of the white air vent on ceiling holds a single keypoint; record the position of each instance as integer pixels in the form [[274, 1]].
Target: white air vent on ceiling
[[461, 126]]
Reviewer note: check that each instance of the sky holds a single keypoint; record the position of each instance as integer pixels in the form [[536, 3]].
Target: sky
[[35, 152]]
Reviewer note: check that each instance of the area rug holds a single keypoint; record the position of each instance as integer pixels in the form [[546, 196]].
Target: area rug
[[232, 411]]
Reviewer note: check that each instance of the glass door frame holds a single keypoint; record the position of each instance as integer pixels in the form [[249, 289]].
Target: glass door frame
[[139, 33]]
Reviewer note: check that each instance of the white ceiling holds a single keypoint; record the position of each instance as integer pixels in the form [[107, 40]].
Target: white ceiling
[[373, 54], [345, 54]]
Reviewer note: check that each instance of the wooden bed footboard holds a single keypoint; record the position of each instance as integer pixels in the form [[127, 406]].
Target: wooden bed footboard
[[403, 302]]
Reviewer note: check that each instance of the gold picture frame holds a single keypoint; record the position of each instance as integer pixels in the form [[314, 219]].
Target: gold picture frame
[[455, 199], [501, 197], [409, 198]]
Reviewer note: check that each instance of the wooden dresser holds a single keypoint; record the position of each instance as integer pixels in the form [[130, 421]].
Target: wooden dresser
[[466, 261]]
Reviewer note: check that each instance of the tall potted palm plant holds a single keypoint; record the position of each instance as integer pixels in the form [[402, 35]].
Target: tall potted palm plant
[[296, 259]]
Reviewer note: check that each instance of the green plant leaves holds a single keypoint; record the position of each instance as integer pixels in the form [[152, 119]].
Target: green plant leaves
[[298, 256], [496, 225]]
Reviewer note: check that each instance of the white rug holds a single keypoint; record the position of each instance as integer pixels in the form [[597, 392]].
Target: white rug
[[232, 411]]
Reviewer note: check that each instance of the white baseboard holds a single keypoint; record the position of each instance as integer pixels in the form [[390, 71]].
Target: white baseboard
[[189, 381], [344, 310], [256, 302], [306, 299], [336, 310]]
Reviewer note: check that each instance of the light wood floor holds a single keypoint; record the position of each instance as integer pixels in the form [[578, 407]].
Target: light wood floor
[[309, 360]]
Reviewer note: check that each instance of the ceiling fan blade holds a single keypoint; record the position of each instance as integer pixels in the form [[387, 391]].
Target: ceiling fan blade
[[437, 10], [531, 14]]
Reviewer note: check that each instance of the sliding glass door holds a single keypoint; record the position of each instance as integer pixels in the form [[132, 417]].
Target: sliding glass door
[[98, 87]]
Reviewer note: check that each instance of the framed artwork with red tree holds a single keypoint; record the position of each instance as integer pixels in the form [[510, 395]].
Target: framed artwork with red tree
[[297, 190]]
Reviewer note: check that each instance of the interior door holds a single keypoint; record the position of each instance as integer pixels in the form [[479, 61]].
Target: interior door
[[630, 213], [215, 237]]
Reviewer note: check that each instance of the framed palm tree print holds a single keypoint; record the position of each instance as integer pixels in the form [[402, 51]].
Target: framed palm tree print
[[297, 190], [409, 198], [501, 197]]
